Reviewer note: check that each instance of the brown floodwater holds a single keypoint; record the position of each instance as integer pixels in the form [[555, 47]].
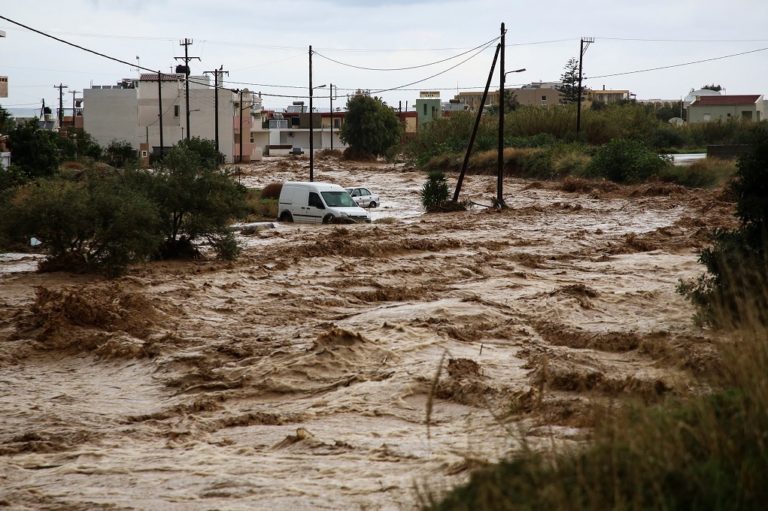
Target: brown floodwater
[[300, 376]]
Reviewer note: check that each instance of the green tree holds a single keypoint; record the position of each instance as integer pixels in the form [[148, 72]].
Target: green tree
[[6, 121], [570, 82], [712, 86], [96, 223], [77, 144], [370, 126], [196, 201], [35, 151]]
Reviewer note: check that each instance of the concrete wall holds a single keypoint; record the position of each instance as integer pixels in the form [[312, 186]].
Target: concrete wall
[[111, 115]]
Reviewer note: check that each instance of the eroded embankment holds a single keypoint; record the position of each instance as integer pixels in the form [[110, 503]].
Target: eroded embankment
[[300, 376]]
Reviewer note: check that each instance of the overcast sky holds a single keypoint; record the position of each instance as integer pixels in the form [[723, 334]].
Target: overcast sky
[[266, 43]]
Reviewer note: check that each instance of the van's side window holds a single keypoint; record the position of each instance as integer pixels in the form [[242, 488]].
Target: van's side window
[[314, 201]]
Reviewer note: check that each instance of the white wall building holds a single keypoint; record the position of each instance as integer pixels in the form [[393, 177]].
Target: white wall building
[[130, 111]]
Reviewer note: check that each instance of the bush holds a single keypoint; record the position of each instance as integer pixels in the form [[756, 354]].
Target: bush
[[704, 173], [625, 161], [272, 191], [434, 193], [95, 224], [121, 154], [733, 291]]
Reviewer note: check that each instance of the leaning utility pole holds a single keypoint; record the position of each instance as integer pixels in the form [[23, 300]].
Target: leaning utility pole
[[61, 102], [500, 157], [477, 124], [216, 73], [585, 42], [186, 58]]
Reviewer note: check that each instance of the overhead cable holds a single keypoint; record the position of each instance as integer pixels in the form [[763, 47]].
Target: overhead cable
[[428, 64]]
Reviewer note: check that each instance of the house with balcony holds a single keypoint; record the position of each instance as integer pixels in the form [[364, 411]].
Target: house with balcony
[[609, 96], [750, 107]]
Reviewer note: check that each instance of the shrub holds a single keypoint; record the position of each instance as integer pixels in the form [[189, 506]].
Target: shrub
[[734, 288], [700, 174], [272, 191], [95, 224], [625, 161], [435, 191], [121, 154]]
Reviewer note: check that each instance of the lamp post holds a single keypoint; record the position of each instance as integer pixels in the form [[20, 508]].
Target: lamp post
[[502, 104], [312, 128]]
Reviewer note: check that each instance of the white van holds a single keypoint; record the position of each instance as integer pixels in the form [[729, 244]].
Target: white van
[[315, 203]]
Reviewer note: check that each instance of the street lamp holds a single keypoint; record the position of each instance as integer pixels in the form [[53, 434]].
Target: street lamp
[[311, 134], [515, 71]]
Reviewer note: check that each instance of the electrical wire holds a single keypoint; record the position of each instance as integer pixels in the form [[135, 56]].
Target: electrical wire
[[671, 66], [644, 40], [436, 74], [428, 64]]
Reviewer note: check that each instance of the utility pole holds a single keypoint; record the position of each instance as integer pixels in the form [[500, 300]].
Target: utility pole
[[186, 43], [311, 124], [61, 102], [216, 73], [331, 96], [500, 157], [160, 110], [585, 42], [240, 160], [74, 105], [477, 124]]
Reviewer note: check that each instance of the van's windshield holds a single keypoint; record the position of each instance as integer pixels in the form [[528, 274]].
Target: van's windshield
[[338, 199]]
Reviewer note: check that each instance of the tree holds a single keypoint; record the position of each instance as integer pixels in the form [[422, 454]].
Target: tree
[[120, 154], [716, 88], [78, 144], [6, 121], [195, 200], [35, 151], [370, 126], [570, 82]]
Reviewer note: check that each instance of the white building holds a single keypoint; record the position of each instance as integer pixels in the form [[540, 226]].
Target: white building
[[130, 111]]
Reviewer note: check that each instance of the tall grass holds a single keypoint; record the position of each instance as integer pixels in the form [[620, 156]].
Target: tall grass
[[538, 127]]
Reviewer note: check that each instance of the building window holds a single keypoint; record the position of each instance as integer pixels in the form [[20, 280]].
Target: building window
[[425, 109], [544, 98], [175, 110]]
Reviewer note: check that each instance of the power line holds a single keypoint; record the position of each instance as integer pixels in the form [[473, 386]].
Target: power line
[[645, 40], [681, 65], [436, 74], [428, 64]]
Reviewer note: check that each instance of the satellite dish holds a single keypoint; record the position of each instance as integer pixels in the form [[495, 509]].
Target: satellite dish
[[676, 121]]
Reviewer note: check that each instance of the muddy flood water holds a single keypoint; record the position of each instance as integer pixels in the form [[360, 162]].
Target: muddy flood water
[[299, 376]]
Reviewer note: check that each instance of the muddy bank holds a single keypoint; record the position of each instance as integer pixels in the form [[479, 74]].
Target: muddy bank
[[299, 376]]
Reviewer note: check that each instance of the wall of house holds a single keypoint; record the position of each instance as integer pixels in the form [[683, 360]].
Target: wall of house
[[537, 97], [708, 113], [428, 109], [111, 115]]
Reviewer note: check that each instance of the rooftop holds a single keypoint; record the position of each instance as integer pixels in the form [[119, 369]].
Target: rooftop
[[749, 99]]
